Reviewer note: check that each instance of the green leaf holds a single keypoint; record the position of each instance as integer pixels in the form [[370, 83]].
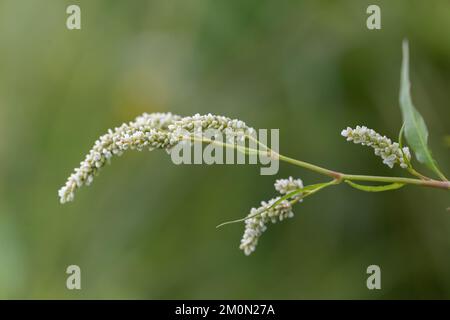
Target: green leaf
[[416, 131], [400, 136], [387, 187]]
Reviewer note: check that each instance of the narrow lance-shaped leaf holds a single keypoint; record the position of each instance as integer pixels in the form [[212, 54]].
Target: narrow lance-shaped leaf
[[416, 131]]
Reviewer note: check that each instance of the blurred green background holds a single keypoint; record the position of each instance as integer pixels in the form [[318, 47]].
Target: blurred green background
[[146, 227]]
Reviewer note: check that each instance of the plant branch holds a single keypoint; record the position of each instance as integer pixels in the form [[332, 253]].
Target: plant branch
[[337, 176]]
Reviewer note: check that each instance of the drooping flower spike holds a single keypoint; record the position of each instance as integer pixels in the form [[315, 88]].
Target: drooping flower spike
[[148, 131], [258, 218]]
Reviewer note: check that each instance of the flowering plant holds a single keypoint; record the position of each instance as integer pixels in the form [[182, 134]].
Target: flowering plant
[[166, 130]]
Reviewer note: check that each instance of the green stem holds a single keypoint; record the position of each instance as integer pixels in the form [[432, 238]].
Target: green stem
[[284, 198], [343, 176]]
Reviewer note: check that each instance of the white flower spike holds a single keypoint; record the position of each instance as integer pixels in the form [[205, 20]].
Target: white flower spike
[[255, 225]]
